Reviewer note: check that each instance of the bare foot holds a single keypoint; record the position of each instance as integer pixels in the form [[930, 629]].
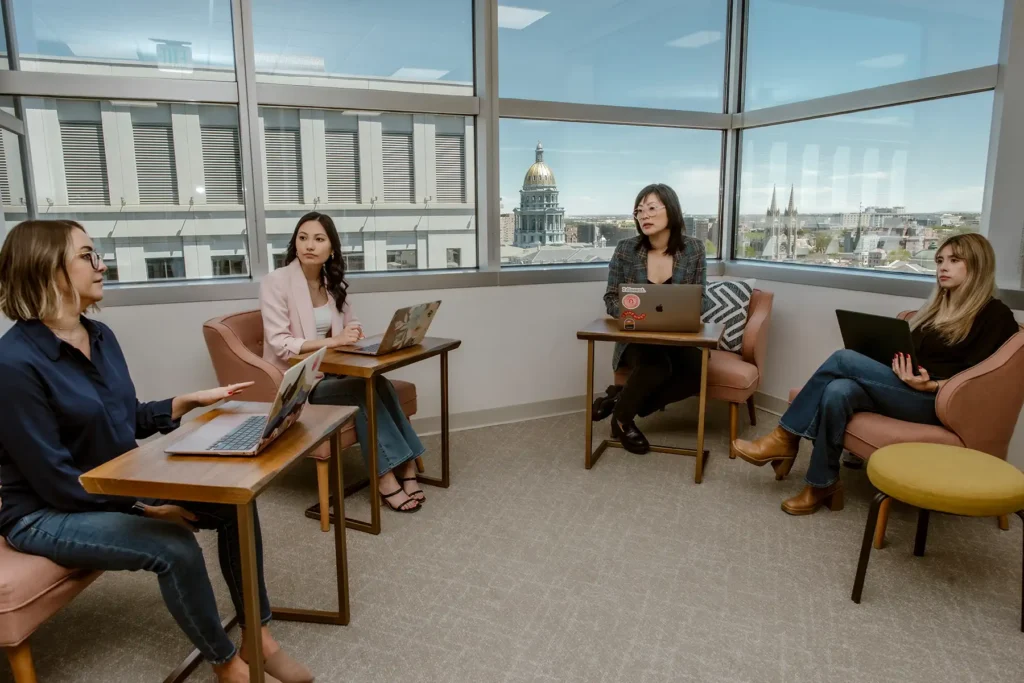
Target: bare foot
[[407, 471], [233, 671]]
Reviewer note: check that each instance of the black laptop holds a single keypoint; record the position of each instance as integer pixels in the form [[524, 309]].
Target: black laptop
[[876, 336]]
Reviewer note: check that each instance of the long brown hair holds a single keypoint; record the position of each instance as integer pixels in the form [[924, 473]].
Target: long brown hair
[[333, 271], [951, 313], [33, 263]]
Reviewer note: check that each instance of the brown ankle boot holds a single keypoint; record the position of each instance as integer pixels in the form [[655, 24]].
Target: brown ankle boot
[[777, 446], [810, 499]]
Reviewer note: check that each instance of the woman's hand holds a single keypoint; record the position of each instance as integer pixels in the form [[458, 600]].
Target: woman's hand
[[352, 333], [904, 369], [200, 399], [174, 514]]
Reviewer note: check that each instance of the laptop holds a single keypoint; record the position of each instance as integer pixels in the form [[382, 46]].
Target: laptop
[[878, 337], [246, 434], [660, 308], [408, 328]]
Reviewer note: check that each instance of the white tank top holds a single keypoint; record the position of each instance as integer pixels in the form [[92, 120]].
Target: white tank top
[[322, 317]]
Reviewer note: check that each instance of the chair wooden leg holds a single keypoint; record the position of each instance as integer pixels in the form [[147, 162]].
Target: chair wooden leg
[[20, 657], [323, 488], [734, 418], [750, 411], [420, 469], [1004, 522], [883, 520], [865, 546]]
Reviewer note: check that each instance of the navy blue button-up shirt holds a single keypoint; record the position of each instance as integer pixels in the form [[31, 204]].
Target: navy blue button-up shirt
[[62, 414]]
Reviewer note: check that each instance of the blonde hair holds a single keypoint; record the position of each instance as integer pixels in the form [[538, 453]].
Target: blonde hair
[[951, 313], [33, 263]]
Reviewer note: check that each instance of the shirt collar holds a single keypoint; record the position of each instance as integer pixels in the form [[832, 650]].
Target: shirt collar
[[43, 337]]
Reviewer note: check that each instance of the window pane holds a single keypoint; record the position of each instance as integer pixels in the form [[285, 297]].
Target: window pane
[[184, 39], [399, 187], [160, 196], [405, 45], [666, 54], [802, 50], [12, 185], [568, 189], [876, 189]]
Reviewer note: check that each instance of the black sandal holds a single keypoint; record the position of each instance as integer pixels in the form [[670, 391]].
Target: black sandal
[[384, 499], [412, 495]]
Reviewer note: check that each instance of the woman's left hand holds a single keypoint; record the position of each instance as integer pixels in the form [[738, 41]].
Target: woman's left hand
[[904, 369], [200, 399]]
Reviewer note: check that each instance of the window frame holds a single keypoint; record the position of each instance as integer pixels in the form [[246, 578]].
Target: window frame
[[487, 108]]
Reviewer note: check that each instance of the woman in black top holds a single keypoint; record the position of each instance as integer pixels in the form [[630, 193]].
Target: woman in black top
[[960, 326]]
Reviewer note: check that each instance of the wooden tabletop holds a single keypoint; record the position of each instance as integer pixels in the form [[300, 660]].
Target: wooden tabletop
[[607, 329], [358, 365], [149, 472]]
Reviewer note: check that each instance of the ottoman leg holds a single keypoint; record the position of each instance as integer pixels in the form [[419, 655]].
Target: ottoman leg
[[922, 532], [865, 547]]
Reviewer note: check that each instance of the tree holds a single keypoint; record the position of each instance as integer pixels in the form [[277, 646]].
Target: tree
[[899, 255], [821, 242]]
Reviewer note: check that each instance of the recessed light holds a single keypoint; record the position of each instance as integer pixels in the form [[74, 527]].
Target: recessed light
[[518, 18], [695, 40]]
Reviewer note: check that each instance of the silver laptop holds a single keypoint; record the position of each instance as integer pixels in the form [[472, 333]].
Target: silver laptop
[[660, 308], [247, 434], [408, 328]]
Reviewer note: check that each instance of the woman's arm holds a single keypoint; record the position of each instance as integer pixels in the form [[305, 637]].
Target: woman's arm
[[276, 325], [616, 277]]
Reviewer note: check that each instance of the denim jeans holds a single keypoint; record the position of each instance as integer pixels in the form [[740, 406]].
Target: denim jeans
[[113, 541], [396, 441], [848, 383]]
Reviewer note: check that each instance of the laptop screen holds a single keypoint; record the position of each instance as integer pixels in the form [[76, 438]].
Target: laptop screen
[[293, 391]]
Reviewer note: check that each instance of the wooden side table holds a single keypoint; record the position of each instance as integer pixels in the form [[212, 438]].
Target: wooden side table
[[368, 368], [149, 472], [607, 330]]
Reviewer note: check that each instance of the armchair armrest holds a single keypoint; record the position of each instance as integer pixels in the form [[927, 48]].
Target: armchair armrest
[[755, 336], [981, 404]]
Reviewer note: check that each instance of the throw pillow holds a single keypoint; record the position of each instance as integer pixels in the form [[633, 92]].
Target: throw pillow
[[728, 301]]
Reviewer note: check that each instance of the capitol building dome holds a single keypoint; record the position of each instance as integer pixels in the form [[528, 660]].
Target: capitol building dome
[[539, 220], [539, 174]]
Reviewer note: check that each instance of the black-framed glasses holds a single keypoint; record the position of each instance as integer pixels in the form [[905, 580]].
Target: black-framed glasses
[[94, 259]]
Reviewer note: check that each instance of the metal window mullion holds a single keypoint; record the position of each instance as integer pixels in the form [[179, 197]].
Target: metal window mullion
[[612, 114], [488, 192], [14, 64], [249, 140], [729, 204]]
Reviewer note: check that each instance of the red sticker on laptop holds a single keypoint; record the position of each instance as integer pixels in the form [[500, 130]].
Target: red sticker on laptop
[[630, 301]]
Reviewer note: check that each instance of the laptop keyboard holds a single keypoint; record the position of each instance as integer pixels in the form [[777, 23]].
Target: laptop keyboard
[[244, 437], [371, 347]]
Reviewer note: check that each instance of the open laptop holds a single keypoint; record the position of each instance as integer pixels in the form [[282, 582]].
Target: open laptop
[[408, 328], [876, 336], [660, 308], [247, 434]]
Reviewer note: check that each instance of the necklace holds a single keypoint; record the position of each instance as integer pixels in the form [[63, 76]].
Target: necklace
[[68, 334]]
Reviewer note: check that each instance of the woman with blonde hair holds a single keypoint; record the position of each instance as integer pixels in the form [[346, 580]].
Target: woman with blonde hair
[[961, 325]]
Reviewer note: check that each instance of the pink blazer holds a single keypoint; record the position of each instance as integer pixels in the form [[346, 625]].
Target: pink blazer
[[288, 314]]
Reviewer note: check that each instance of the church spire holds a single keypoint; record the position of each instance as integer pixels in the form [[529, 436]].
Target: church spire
[[773, 210], [791, 209]]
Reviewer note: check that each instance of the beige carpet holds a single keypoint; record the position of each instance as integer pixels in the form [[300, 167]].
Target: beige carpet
[[530, 568]]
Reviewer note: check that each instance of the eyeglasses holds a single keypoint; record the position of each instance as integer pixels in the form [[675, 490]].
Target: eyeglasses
[[94, 259], [652, 210]]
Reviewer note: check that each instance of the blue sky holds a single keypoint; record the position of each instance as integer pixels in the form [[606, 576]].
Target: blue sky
[[647, 53]]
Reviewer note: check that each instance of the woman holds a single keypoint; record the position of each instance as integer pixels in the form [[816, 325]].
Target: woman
[[961, 325], [305, 308], [661, 253], [69, 405]]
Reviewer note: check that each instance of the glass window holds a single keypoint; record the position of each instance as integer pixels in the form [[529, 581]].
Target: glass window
[[875, 189], [667, 54], [813, 48], [160, 197], [568, 188], [400, 45], [12, 186], [184, 39], [400, 187]]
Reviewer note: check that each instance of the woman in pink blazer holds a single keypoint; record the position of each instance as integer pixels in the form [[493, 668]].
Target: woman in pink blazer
[[305, 307]]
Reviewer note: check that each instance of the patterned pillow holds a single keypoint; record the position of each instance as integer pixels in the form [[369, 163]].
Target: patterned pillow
[[728, 301]]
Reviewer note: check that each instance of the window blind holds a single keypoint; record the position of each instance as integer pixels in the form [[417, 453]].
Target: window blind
[[154, 164], [342, 148], [85, 163], [398, 169], [221, 164], [450, 167]]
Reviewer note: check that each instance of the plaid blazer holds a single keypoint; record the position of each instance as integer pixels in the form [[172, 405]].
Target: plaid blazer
[[629, 267]]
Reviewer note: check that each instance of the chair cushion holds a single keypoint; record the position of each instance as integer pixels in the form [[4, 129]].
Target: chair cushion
[[958, 481], [728, 303], [406, 396], [730, 378], [32, 589]]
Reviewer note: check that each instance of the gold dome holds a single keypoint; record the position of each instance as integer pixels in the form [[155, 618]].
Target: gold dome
[[539, 173]]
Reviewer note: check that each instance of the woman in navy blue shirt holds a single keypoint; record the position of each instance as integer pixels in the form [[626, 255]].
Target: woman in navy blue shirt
[[68, 406]]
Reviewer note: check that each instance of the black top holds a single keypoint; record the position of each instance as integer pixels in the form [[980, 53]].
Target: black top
[[62, 414], [993, 325], [666, 282]]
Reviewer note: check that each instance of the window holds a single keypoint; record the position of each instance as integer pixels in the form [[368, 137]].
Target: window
[[283, 156], [221, 164], [279, 259], [414, 46], [110, 274], [123, 38], [355, 262], [575, 188], [450, 165], [226, 266], [397, 158], [639, 54], [154, 162], [85, 164], [401, 259], [342, 149], [791, 54], [876, 189], [165, 268], [454, 257]]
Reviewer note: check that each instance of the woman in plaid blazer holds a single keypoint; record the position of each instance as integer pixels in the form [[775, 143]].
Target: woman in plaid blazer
[[661, 253]]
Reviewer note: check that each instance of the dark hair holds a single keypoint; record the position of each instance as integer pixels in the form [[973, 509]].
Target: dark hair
[[676, 225], [333, 272]]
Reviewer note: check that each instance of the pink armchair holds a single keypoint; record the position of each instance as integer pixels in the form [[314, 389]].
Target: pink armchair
[[978, 409]]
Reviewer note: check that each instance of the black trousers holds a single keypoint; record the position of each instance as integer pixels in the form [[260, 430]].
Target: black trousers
[[660, 375]]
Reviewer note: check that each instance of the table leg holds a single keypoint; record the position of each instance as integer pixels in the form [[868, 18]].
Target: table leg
[[698, 472], [371, 428], [445, 481], [588, 417], [250, 590]]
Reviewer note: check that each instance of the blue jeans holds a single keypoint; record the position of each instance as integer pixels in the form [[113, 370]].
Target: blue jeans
[[397, 443], [113, 541], [848, 383]]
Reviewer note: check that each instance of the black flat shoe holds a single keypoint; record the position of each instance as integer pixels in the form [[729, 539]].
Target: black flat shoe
[[631, 438], [603, 407]]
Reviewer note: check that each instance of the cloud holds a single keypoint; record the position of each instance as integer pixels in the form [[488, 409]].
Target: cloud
[[695, 40], [892, 61]]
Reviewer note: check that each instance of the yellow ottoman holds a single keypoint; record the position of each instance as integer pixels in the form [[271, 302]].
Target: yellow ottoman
[[957, 481]]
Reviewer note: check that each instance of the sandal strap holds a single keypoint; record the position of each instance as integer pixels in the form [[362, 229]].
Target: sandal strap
[[392, 494], [407, 478]]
